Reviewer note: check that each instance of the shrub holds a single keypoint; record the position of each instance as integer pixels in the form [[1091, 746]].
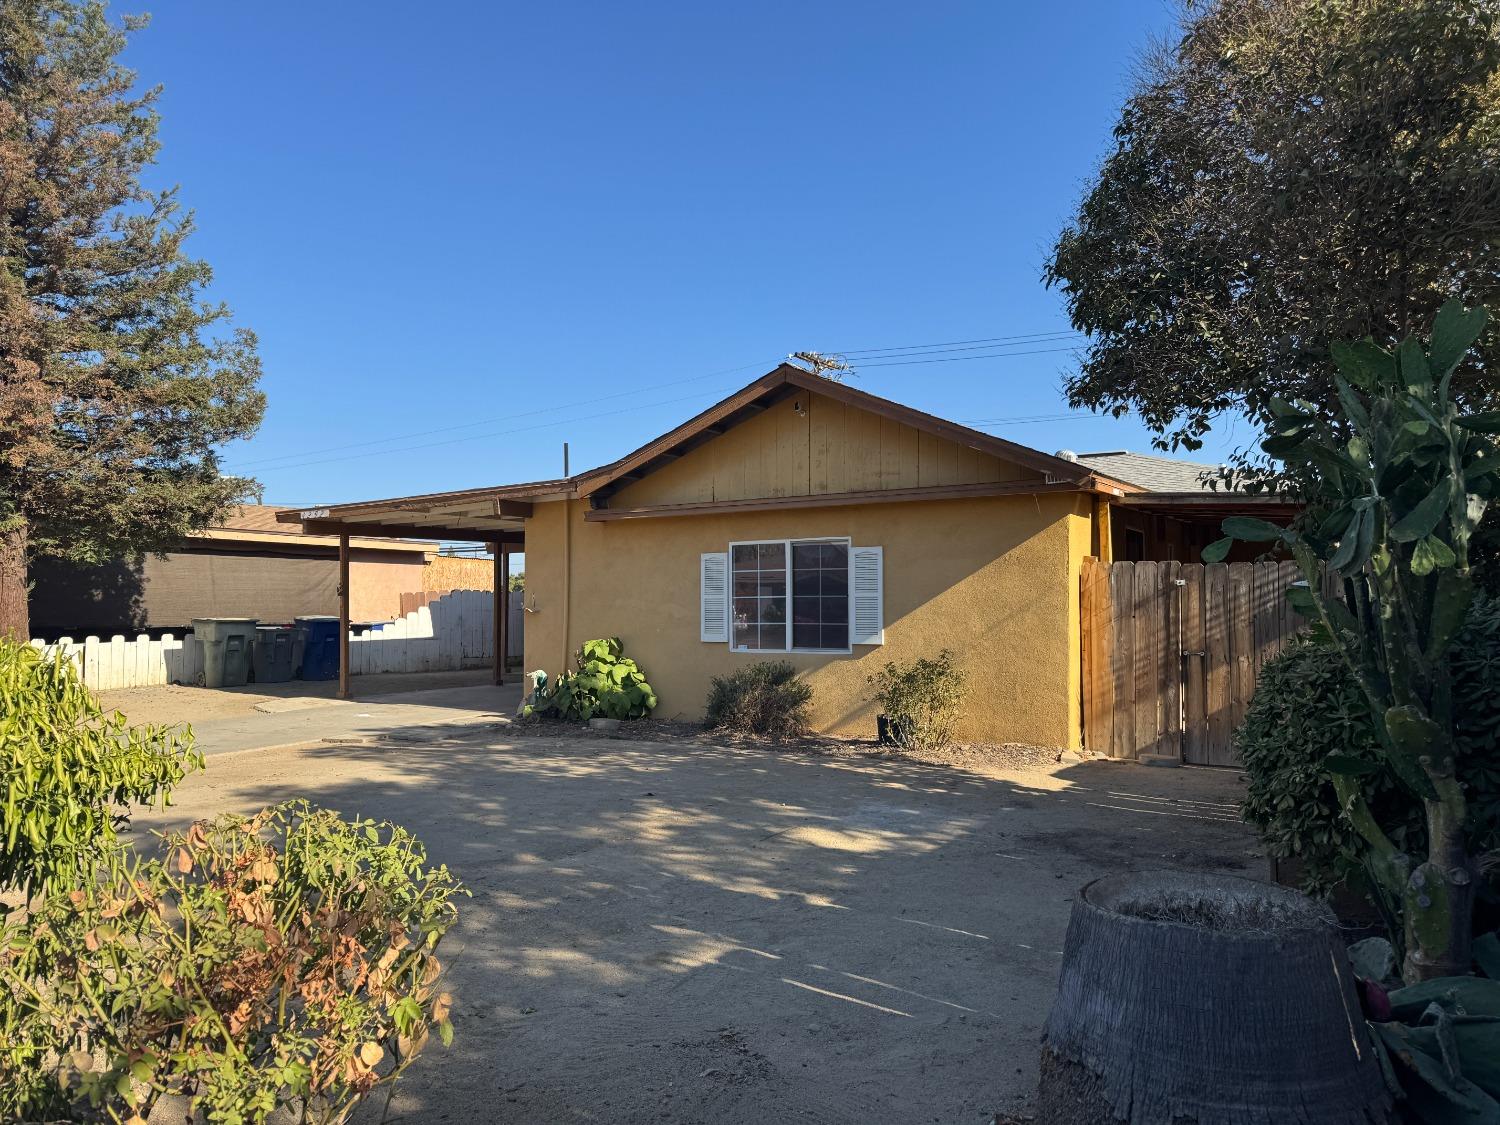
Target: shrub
[[921, 700], [1307, 706], [286, 961], [606, 684], [765, 698], [69, 771]]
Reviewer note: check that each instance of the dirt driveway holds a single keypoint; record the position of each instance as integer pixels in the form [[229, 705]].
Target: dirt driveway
[[672, 933]]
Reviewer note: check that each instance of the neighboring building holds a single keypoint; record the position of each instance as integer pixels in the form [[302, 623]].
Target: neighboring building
[[1178, 511], [808, 521], [248, 565]]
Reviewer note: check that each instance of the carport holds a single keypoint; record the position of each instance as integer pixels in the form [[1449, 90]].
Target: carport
[[492, 516]]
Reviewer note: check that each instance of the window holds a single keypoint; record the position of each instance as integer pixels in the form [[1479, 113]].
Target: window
[[790, 595]]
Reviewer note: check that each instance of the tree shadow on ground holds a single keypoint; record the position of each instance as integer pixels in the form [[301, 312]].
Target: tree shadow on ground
[[687, 933]]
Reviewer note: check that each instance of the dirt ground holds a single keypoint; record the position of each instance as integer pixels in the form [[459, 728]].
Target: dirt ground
[[177, 703], [687, 932]]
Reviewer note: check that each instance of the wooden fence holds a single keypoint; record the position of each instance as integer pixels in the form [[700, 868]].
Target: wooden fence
[[1171, 652]]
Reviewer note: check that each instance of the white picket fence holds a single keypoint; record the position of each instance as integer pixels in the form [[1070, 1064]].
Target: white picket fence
[[118, 663], [453, 632]]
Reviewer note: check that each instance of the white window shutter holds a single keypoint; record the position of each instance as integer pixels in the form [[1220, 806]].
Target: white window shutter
[[713, 591], [866, 596]]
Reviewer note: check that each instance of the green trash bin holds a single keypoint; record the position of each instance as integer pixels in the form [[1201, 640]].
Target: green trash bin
[[227, 642], [276, 653]]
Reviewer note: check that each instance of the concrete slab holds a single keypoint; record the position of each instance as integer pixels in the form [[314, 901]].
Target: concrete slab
[[477, 709]]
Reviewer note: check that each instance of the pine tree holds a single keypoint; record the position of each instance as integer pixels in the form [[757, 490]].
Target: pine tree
[[118, 380]]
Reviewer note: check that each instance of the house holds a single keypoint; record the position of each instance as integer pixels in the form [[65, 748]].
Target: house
[[246, 565], [805, 520]]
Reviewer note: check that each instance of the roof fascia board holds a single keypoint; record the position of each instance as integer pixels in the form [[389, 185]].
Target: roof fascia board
[[834, 500]]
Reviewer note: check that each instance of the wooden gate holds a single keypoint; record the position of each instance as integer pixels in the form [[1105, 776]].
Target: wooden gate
[[1171, 652]]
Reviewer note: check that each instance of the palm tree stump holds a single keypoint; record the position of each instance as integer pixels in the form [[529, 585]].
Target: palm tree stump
[[1206, 1000]]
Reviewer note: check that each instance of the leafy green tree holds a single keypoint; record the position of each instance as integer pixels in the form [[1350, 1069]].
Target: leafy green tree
[[1397, 482], [1286, 173], [115, 388], [69, 772]]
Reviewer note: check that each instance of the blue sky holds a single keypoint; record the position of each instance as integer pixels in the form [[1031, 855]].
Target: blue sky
[[467, 234]]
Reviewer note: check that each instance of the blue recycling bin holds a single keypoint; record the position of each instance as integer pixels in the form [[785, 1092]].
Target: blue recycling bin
[[320, 648]]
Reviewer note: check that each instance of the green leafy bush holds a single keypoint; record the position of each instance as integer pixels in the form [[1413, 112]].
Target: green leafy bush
[[69, 771], [765, 698], [606, 684], [1307, 706], [921, 700], [287, 961]]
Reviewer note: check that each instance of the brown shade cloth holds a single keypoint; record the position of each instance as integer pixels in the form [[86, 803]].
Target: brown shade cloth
[[184, 586], [167, 593]]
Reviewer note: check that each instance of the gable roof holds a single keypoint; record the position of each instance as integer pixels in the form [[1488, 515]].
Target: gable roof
[[499, 511], [1154, 474], [786, 380]]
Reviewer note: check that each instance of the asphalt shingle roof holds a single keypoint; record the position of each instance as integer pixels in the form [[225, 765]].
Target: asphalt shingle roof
[[1156, 474]]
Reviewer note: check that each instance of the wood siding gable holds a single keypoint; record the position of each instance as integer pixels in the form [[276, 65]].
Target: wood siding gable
[[811, 444]]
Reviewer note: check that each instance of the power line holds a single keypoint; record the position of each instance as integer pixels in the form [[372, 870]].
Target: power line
[[298, 460], [908, 353], [1048, 418], [498, 433], [952, 343], [626, 394], [502, 418], [962, 358]]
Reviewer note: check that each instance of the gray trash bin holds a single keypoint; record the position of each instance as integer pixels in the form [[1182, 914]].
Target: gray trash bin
[[276, 653], [226, 642]]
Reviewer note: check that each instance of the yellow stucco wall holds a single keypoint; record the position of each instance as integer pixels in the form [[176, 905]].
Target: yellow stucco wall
[[994, 579]]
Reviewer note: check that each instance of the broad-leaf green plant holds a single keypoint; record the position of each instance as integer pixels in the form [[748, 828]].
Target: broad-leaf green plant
[[70, 770], [1438, 1041], [607, 685], [1397, 482]]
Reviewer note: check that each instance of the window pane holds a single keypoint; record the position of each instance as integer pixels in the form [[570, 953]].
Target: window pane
[[772, 556], [772, 610], [772, 585], [773, 636], [746, 636], [746, 586], [835, 611], [744, 556], [820, 595]]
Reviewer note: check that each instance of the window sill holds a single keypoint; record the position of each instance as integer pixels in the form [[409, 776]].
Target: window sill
[[793, 651]]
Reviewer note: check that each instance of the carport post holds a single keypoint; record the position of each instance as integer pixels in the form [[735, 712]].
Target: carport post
[[344, 692], [501, 607]]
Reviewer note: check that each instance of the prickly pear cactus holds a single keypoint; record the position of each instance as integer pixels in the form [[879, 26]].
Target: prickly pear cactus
[[1399, 480]]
